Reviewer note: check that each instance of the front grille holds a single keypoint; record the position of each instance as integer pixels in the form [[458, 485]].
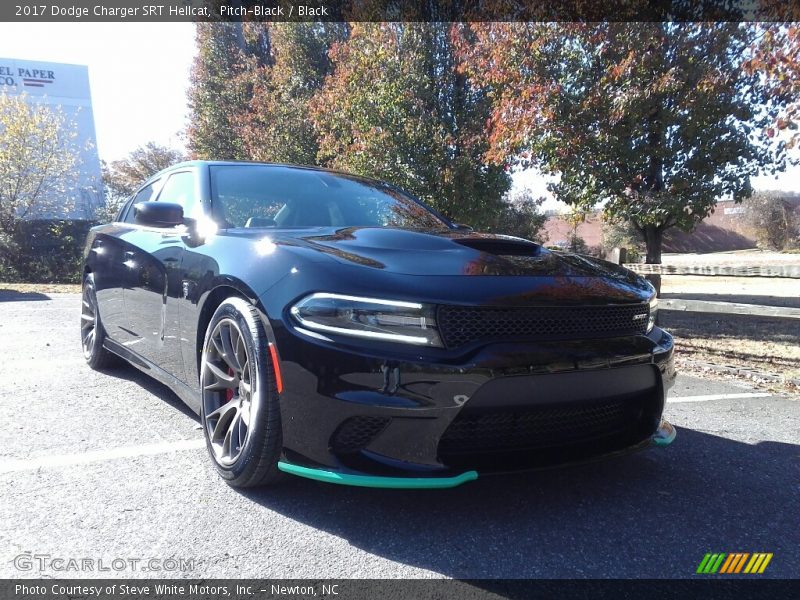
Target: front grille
[[460, 325], [356, 433], [538, 426]]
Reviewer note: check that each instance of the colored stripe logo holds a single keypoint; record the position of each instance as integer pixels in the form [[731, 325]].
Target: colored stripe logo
[[734, 562], [35, 82]]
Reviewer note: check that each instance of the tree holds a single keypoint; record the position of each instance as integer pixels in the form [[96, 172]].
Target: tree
[[777, 59], [622, 234], [383, 100], [277, 127], [576, 244], [220, 89], [576, 217], [522, 217], [122, 177], [655, 120], [774, 220], [38, 156], [395, 108]]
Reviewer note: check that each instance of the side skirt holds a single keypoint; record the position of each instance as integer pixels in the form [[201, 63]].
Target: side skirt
[[183, 391]]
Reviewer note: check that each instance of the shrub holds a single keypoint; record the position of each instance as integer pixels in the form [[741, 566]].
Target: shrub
[[597, 251], [577, 244], [622, 234], [44, 251]]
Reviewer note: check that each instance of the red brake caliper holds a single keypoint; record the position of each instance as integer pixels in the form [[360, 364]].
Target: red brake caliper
[[229, 392]]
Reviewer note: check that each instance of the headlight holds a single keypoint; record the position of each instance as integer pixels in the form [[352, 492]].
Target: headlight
[[651, 319], [369, 318]]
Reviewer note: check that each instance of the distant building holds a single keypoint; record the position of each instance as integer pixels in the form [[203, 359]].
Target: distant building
[[559, 230], [724, 230], [65, 86]]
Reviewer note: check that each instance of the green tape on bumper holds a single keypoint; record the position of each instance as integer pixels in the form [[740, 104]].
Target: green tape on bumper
[[664, 435], [403, 483]]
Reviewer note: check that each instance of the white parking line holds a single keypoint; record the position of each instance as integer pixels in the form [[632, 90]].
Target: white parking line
[[719, 397], [68, 460]]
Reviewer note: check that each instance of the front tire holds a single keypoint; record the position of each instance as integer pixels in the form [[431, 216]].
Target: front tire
[[240, 411], [92, 332]]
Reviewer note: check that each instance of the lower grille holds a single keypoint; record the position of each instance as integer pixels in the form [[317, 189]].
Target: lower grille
[[356, 433], [508, 430], [460, 325], [535, 436]]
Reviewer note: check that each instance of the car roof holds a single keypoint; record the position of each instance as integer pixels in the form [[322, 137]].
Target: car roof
[[207, 163], [213, 163]]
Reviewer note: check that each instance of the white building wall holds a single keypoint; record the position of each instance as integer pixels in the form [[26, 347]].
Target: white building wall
[[65, 86]]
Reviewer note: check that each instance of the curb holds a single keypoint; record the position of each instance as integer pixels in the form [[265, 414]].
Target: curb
[[728, 308]]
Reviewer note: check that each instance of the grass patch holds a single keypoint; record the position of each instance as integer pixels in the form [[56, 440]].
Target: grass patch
[[42, 288], [758, 343]]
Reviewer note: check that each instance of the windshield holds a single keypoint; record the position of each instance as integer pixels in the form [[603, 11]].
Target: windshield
[[276, 196]]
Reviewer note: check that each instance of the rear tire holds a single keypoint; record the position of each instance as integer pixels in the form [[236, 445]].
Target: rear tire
[[240, 411], [92, 332]]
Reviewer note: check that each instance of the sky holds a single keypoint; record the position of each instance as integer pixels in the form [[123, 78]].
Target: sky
[[139, 74]]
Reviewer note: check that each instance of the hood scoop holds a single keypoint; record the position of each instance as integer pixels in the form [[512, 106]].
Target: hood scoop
[[501, 247]]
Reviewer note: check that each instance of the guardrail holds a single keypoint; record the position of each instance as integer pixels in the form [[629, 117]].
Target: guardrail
[[789, 271]]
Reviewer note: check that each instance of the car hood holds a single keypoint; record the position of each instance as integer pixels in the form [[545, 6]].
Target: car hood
[[451, 253], [446, 266]]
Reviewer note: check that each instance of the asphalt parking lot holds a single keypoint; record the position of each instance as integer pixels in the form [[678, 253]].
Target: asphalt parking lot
[[106, 466]]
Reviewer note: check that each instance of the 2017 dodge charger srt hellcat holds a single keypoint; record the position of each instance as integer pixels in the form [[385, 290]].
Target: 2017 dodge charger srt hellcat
[[334, 327]]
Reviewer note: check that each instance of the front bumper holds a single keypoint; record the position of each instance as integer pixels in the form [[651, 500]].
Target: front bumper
[[357, 417], [664, 436]]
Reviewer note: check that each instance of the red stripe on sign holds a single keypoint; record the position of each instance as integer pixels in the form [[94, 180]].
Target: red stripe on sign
[[25, 79]]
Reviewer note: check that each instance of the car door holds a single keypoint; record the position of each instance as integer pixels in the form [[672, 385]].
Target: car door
[[151, 301], [110, 263], [105, 262]]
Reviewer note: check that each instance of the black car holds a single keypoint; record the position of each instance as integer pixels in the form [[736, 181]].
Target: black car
[[336, 328]]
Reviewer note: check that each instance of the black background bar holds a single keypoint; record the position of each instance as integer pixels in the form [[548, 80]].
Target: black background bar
[[706, 587], [398, 10]]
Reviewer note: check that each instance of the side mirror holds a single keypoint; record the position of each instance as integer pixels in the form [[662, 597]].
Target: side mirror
[[158, 214]]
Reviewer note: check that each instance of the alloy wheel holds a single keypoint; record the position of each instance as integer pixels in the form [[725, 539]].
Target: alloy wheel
[[88, 321], [227, 391]]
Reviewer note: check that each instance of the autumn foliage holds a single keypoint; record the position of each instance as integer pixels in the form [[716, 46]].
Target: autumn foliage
[[655, 121], [396, 107], [777, 58], [380, 99]]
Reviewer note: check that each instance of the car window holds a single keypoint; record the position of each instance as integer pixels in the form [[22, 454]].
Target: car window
[[179, 189], [123, 211], [148, 192], [277, 196]]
